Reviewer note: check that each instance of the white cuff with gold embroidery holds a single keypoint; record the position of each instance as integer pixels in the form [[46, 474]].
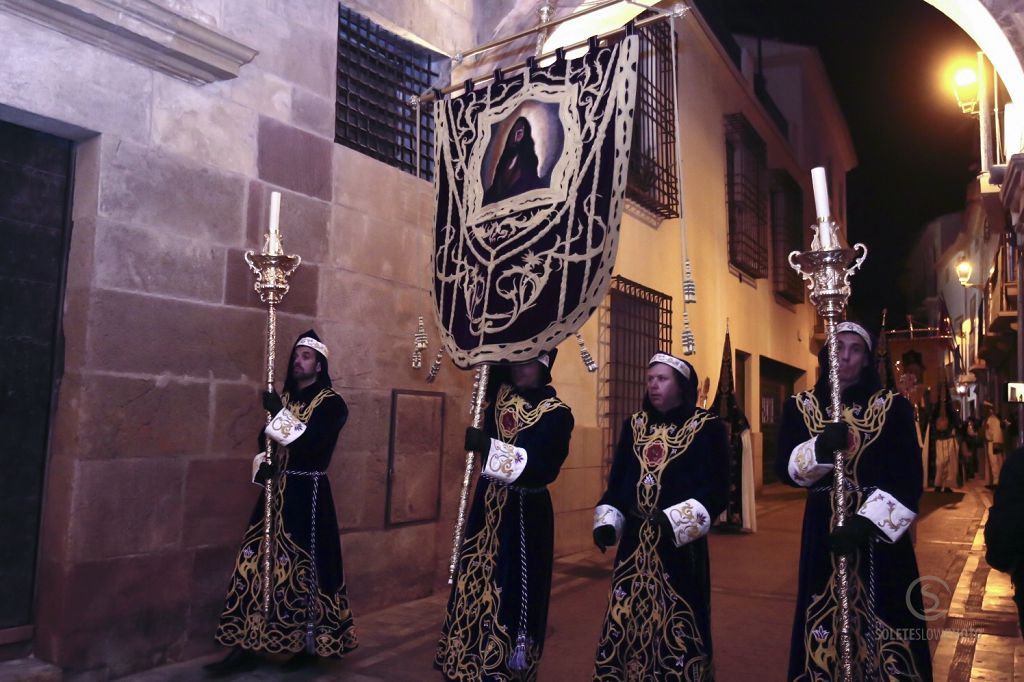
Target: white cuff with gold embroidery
[[505, 462], [690, 521], [888, 513], [804, 468], [256, 462], [285, 427], [607, 515]]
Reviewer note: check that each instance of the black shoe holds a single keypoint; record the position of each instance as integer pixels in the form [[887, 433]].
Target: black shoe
[[300, 661], [238, 660]]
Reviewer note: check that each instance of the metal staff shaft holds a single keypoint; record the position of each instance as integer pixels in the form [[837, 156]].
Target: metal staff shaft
[[479, 390], [266, 547], [272, 271], [839, 495], [827, 272]]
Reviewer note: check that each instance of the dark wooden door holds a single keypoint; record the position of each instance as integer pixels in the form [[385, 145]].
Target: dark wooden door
[[777, 380], [35, 178]]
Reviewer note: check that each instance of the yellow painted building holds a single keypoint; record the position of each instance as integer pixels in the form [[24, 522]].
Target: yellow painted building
[[772, 337]]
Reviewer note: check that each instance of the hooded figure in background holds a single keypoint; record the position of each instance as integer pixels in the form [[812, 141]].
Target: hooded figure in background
[[883, 470], [669, 479], [496, 618], [309, 607], [944, 428], [741, 511]]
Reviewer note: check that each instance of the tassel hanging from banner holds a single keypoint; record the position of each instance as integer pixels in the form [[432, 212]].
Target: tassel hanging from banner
[[689, 341], [419, 344], [435, 366], [588, 359], [689, 286]]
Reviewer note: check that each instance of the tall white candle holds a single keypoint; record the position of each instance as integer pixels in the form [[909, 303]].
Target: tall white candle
[[275, 223], [820, 192]]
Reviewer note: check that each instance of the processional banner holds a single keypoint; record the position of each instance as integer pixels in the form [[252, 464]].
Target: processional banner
[[530, 177]]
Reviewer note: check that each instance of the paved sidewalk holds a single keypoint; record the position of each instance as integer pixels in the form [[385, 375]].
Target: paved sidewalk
[[980, 637], [753, 593]]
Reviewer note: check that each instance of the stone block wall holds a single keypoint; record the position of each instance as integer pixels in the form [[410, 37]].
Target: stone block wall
[[577, 489], [157, 413]]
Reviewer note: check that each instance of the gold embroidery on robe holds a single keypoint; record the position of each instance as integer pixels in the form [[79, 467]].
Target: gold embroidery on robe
[[821, 626], [474, 642], [649, 626], [242, 622]]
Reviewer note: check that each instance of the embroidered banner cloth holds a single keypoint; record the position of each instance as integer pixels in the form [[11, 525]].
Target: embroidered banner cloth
[[530, 178]]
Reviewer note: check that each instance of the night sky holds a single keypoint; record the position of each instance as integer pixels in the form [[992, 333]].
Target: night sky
[[916, 152]]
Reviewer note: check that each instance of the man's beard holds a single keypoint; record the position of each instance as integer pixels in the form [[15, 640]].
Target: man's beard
[[299, 376]]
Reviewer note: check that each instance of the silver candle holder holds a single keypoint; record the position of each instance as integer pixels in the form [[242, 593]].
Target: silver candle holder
[[827, 268]]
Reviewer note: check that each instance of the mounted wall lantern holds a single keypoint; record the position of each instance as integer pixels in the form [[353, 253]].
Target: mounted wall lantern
[[965, 88]]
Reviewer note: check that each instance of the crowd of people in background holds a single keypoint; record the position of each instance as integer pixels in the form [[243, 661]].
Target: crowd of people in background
[[959, 450]]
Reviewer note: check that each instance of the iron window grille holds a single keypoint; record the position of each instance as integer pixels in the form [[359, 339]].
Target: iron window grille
[[787, 234], [745, 160], [377, 73], [635, 322], [651, 181]]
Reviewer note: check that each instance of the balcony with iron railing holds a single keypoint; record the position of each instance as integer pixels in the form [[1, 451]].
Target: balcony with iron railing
[[1001, 293], [998, 342]]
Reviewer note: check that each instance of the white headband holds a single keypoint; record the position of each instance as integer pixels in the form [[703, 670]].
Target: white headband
[[672, 361], [312, 343], [855, 328]]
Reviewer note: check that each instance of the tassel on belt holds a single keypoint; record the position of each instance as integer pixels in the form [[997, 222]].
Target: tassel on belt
[[518, 662]]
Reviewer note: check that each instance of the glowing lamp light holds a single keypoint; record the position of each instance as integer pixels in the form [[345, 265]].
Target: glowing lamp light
[[963, 270], [965, 89]]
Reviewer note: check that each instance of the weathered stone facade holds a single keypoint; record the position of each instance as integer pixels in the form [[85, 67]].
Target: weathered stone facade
[[147, 489], [158, 410]]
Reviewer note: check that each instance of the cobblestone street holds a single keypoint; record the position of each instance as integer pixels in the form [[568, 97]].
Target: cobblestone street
[[754, 581]]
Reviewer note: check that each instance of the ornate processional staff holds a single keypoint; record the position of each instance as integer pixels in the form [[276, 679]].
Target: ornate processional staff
[[479, 390], [827, 267], [272, 269]]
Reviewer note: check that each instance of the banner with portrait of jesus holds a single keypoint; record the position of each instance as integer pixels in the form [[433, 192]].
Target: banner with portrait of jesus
[[530, 178]]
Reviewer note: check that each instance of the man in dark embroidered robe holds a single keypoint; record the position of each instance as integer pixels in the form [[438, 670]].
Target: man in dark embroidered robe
[[497, 614], [883, 468], [669, 478], [309, 608]]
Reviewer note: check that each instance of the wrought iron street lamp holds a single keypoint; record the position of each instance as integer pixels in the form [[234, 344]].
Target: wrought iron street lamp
[[965, 89], [964, 269]]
